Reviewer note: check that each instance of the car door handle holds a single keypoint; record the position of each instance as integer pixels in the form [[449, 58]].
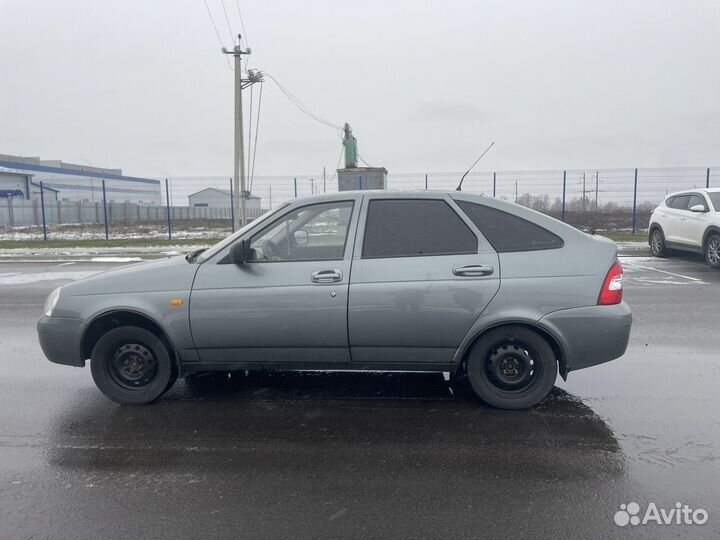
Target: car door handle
[[473, 270], [327, 276]]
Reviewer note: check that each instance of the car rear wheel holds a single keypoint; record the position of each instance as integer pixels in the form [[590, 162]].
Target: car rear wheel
[[657, 243], [512, 367], [132, 366], [712, 250]]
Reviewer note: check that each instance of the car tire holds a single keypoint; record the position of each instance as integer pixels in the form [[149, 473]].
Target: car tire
[[132, 366], [712, 250], [512, 367], [657, 243]]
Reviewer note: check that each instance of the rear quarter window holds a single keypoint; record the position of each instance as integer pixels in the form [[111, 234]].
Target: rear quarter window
[[507, 232]]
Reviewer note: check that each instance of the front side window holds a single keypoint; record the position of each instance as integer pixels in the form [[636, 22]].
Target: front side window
[[697, 199], [317, 232], [680, 202], [507, 232], [415, 227]]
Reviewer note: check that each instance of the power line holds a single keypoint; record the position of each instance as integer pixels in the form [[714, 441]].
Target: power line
[[361, 159], [242, 22], [232, 36], [300, 105], [212, 20], [250, 119], [257, 129], [338, 164]]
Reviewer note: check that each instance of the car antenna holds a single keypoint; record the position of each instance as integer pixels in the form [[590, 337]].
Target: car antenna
[[459, 188]]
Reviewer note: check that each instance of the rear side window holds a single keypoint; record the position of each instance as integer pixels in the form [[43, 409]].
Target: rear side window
[[679, 203], [415, 227], [507, 232]]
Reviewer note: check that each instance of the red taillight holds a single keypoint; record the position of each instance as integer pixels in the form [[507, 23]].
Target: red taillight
[[612, 289]]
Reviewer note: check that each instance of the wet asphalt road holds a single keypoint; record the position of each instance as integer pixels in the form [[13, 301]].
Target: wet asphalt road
[[366, 455]]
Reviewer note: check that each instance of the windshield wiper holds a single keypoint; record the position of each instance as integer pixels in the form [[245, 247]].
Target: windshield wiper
[[190, 257]]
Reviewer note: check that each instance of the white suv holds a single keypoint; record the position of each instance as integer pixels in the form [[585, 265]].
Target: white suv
[[688, 221]]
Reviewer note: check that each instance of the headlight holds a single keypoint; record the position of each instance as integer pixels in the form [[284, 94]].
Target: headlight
[[52, 301]]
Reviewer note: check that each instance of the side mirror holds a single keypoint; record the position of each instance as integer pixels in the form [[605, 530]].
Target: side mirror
[[301, 237], [239, 252], [698, 208]]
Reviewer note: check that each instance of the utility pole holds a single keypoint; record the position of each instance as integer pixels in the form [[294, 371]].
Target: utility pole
[[239, 192], [324, 179], [312, 186], [597, 185], [584, 193]]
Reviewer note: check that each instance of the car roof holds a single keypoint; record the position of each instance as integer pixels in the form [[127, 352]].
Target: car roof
[[540, 218], [691, 191], [382, 192], [387, 194], [412, 194]]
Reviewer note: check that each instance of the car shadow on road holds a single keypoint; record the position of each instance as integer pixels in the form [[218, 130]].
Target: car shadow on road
[[282, 419]]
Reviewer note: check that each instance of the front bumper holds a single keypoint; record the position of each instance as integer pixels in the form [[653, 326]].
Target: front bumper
[[60, 340], [590, 335]]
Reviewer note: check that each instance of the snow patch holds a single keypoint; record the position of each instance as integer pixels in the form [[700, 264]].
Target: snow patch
[[116, 259], [17, 278]]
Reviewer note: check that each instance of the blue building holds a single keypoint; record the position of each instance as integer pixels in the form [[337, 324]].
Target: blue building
[[74, 182]]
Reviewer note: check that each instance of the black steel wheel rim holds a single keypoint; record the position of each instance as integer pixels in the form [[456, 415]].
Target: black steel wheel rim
[[133, 366], [512, 367], [713, 250]]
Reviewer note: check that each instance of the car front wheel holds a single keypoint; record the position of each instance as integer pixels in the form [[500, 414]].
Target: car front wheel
[[712, 250], [512, 367], [657, 243], [132, 366]]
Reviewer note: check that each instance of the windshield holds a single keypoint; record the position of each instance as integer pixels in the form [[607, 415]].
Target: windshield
[[715, 199], [205, 255]]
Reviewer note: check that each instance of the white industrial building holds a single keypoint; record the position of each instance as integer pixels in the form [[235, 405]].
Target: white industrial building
[[221, 198], [75, 183], [19, 185], [14, 183]]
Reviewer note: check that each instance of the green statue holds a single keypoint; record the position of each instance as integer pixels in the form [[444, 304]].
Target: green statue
[[351, 152]]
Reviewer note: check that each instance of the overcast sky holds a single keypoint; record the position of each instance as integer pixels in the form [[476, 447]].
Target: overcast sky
[[426, 86]]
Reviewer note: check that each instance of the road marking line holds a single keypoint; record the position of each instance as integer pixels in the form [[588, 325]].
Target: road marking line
[[666, 272], [66, 264], [666, 282]]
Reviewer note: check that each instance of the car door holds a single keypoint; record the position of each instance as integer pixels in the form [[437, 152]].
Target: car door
[[694, 224], [288, 304], [421, 276], [675, 215]]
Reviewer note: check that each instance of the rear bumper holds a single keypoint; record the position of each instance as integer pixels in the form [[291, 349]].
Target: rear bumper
[[590, 335], [60, 340]]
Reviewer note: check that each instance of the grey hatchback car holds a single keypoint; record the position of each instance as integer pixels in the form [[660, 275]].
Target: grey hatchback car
[[373, 280]]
